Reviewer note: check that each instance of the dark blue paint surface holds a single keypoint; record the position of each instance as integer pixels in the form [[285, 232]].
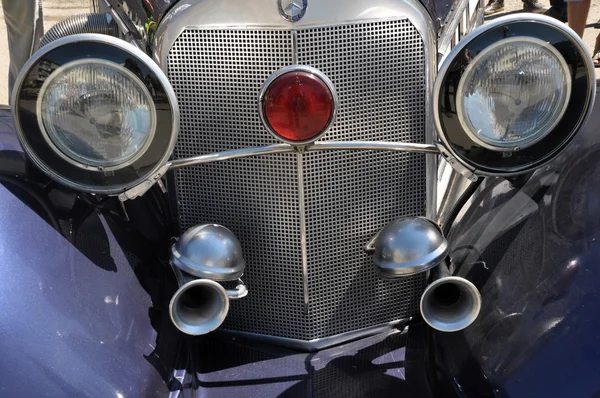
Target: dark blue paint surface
[[532, 246], [67, 326]]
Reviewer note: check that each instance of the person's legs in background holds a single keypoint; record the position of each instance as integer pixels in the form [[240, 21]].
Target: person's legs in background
[[533, 6], [494, 6], [558, 10], [577, 11], [24, 28]]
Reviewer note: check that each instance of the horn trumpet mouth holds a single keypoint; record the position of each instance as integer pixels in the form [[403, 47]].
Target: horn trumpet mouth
[[203, 255], [450, 304], [199, 307]]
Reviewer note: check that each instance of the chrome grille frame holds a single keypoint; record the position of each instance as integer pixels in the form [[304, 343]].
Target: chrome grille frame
[[418, 18]]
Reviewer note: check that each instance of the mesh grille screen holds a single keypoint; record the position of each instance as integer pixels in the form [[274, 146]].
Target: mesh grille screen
[[352, 195], [378, 70]]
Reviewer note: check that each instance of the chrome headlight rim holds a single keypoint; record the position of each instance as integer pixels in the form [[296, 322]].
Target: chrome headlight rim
[[487, 161], [89, 178]]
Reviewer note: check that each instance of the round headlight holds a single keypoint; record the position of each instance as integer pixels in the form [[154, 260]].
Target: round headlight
[[96, 113], [513, 93]]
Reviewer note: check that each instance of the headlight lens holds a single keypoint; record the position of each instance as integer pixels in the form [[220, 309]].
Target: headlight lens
[[96, 113], [513, 93]]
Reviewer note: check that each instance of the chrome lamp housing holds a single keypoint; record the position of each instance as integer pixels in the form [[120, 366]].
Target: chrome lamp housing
[[209, 251], [408, 246]]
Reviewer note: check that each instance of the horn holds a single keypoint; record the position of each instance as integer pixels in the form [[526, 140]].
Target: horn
[[199, 306], [449, 303], [413, 245], [202, 256]]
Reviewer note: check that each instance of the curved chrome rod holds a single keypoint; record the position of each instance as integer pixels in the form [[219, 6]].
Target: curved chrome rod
[[143, 187], [240, 291], [233, 154], [317, 146], [373, 146]]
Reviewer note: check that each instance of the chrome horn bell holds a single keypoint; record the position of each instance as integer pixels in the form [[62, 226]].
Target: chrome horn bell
[[449, 303], [204, 255], [412, 245]]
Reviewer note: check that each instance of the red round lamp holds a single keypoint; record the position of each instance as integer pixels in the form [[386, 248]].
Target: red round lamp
[[298, 105]]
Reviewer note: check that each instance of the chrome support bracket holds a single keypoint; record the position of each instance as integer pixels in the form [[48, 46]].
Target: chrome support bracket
[[370, 246], [142, 188], [302, 216], [460, 168]]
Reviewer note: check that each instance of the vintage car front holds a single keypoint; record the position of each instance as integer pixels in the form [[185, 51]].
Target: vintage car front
[[301, 198]]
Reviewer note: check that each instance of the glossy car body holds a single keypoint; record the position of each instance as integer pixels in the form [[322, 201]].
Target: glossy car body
[[84, 310]]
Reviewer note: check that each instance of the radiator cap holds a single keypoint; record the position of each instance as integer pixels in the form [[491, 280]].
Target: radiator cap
[[408, 246], [209, 251]]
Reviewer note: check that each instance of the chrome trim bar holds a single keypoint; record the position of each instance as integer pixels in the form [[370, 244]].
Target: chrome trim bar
[[303, 247], [234, 154], [325, 342], [317, 146], [449, 31], [294, 34], [373, 146], [143, 187]]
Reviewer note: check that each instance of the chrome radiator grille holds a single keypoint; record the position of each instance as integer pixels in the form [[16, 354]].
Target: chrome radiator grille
[[378, 69]]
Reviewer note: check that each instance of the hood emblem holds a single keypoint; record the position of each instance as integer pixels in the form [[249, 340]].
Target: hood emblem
[[292, 10]]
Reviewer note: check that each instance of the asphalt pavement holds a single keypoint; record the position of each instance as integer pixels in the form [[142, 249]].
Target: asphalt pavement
[[56, 10]]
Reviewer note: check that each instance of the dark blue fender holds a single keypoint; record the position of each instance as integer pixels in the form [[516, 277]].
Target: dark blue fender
[[532, 247], [89, 319], [67, 326]]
